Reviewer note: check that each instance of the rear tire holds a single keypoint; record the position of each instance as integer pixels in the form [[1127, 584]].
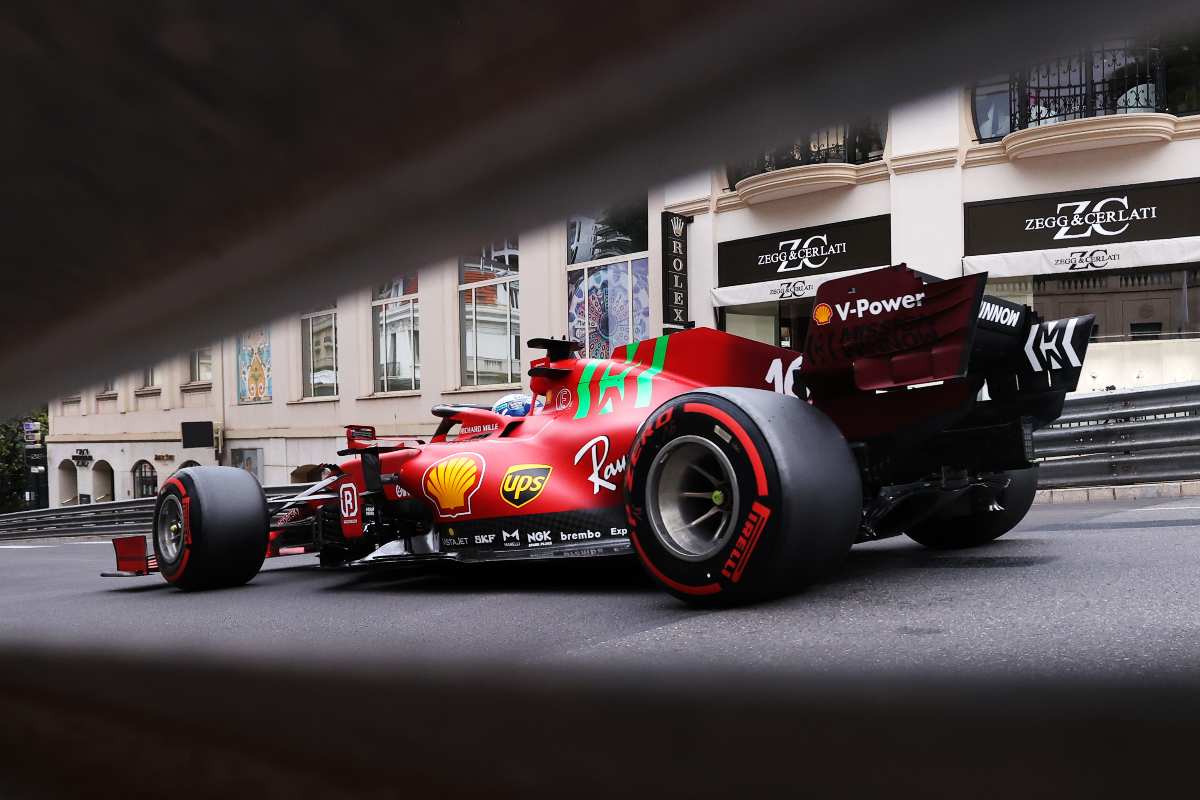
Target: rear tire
[[210, 528], [737, 494], [972, 530]]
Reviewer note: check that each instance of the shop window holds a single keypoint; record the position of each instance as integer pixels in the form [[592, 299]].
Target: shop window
[[1112, 76], [200, 365], [757, 321], [490, 315], [318, 353], [619, 230], [848, 143], [608, 305], [145, 480], [396, 335], [783, 323], [249, 459], [608, 278]]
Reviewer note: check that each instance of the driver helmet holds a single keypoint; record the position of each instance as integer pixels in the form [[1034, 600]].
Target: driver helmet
[[516, 405]]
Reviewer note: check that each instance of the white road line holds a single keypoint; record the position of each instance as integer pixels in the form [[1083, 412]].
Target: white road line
[[25, 546]]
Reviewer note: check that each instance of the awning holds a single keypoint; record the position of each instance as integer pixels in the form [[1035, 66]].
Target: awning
[[1086, 258], [786, 289]]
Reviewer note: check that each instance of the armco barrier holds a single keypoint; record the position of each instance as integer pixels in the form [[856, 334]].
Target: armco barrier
[[98, 519], [1101, 439], [1119, 438]]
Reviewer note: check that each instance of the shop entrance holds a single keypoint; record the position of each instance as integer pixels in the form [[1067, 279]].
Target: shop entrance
[[783, 323]]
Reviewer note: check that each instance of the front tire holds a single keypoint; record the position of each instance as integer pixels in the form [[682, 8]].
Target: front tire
[[210, 528], [981, 527], [740, 494]]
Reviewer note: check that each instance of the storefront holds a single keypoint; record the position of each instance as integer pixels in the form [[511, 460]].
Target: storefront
[[766, 284], [1128, 254]]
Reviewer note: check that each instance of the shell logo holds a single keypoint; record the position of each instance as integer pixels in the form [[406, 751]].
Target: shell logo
[[450, 482], [822, 314]]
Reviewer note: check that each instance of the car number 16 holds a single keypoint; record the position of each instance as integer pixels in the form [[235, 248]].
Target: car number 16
[[781, 379]]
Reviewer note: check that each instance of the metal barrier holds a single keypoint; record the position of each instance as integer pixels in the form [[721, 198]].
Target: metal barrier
[[1101, 439], [99, 519], [1119, 438]]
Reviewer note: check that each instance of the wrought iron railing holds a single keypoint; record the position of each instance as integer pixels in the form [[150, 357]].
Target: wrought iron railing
[[1114, 76], [837, 144]]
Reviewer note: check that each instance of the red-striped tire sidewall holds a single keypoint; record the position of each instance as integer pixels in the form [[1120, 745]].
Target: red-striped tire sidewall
[[181, 486], [743, 567]]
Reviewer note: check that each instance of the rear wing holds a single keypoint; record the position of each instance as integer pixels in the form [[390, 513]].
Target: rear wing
[[887, 350]]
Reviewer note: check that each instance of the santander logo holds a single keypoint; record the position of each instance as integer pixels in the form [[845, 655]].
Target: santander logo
[[863, 308]]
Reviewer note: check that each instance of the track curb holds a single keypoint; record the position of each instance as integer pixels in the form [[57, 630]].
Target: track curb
[[1116, 494]]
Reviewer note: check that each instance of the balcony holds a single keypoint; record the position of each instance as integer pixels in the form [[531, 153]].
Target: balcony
[[1109, 79], [838, 156]]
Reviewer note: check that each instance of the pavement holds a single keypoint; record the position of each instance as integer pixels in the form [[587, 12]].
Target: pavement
[[1107, 589]]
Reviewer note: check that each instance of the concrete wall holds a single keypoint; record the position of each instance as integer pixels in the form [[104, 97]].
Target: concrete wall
[[1130, 365]]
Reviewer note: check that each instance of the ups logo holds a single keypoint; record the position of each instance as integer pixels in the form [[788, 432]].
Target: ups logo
[[523, 483]]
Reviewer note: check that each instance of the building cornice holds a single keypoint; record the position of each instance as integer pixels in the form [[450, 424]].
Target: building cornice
[[729, 201], [85, 438], [1114, 130], [942, 158], [984, 154], [317, 432], [1187, 127], [690, 208], [801, 180]]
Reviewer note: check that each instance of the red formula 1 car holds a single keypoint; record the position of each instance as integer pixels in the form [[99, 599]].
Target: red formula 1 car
[[731, 468]]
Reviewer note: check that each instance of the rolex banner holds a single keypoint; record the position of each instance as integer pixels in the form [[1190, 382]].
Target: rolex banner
[[675, 272], [1118, 227]]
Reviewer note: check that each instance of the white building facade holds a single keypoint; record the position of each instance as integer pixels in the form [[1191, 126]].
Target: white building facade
[[1075, 183]]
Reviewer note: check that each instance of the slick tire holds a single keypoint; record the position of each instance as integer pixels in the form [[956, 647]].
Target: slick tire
[[210, 528], [972, 530], [735, 495]]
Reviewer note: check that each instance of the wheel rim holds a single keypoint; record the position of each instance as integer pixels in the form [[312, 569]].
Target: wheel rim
[[168, 528], [693, 498]]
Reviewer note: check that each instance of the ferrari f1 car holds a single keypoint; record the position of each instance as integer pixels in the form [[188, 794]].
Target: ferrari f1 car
[[731, 469]]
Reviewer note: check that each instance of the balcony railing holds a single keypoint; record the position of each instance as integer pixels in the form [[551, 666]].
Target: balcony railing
[[1116, 76], [838, 144]]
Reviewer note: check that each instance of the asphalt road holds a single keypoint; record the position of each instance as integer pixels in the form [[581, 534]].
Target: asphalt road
[[1103, 589]]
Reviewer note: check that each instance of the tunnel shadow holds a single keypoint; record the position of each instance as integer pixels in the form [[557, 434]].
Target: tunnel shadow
[[618, 575], [868, 560], [623, 575]]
